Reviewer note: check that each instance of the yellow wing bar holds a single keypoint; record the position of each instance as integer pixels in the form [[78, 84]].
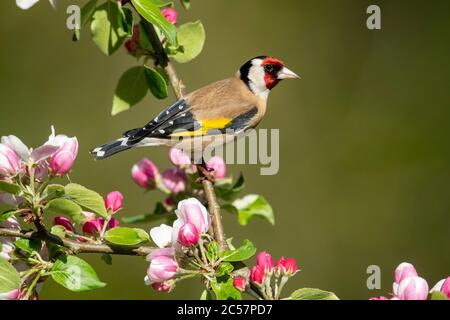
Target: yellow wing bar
[[205, 126]]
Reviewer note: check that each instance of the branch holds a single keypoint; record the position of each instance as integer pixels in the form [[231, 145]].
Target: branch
[[77, 247], [178, 88]]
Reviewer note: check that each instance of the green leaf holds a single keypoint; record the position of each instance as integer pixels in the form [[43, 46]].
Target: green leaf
[[87, 11], [59, 231], [227, 191], [253, 206], [212, 251], [75, 274], [125, 22], [144, 38], [28, 245], [224, 290], [61, 206], [191, 36], [9, 277], [55, 191], [437, 295], [244, 252], [224, 269], [312, 294], [11, 188], [126, 236], [107, 258], [5, 215], [131, 89], [206, 295], [186, 4], [156, 83], [157, 214], [88, 199], [106, 31], [151, 12]]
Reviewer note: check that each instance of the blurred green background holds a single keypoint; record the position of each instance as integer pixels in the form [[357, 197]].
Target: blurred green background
[[364, 175]]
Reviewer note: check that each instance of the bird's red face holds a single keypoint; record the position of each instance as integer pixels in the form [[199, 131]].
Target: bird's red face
[[271, 67], [263, 73]]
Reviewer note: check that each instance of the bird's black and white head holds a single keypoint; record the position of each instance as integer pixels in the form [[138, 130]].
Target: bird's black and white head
[[263, 73]]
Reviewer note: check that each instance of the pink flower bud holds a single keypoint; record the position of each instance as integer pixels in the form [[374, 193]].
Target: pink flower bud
[[113, 201], [413, 288], [162, 268], [175, 180], [193, 211], [379, 298], [93, 227], [170, 14], [218, 165], [9, 161], [132, 45], [63, 221], [240, 283], [446, 287], [62, 160], [287, 266], [11, 295], [257, 274], [161, 286], [264, 260], [179, 158], [403, 271], [113, 223], [188, 235], [144, 173]]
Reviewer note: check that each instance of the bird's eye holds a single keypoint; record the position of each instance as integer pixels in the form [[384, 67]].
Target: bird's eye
[[268, 68]]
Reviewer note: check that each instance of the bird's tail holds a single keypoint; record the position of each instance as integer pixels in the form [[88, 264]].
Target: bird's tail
[[111, 148], [123, 144]]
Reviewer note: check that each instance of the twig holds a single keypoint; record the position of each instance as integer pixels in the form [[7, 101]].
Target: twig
[[177, 85], [78, 247]]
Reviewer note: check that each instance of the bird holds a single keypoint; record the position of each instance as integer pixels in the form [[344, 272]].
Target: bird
[[212, 115]]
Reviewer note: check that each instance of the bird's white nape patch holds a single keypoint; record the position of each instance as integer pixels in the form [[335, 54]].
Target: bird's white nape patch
[[256, 79]]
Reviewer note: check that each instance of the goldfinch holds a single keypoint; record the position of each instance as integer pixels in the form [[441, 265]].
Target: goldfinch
[[214, 114]]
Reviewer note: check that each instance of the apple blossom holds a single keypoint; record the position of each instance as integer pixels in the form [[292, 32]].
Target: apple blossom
[[10, 162], [175, 180], [240, 283], [443, 286], [181, 160], [257, 274], [113, 201], [403, 271], [265, 261], [27, 4], [170, 14], [161, 286], [62, 160], [191, 211], [92, 227], [217, 164], [63, 221], [144, 173], [162, 235], [286, 266], [162, 268], [188, 235], [412, 288], [11, 295]]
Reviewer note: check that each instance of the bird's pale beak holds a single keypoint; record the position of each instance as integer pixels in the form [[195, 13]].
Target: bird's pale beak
[[285, 73]]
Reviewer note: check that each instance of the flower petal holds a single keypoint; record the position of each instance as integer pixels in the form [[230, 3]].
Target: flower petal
[[26, 4], [43, 152], [17, 145]]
